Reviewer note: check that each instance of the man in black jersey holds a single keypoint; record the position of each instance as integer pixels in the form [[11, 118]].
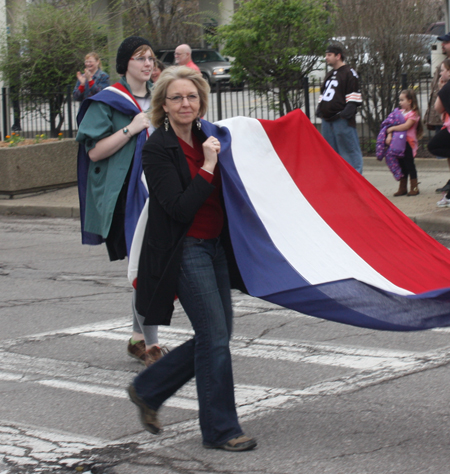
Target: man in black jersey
[[339, 98]]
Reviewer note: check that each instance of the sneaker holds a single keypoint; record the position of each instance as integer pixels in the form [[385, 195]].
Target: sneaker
[[445, 188], [444, 202], [149, 417], [241, 443], [155, 353], [137, 351]]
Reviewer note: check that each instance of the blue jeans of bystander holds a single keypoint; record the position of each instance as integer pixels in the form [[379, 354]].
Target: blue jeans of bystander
[[204, 292], [344, 140]]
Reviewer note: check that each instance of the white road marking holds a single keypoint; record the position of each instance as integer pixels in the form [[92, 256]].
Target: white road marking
[[446, 329], [74, 330], [30, 446], [244, 305], [94, 389], [322, 354], [257, 401]]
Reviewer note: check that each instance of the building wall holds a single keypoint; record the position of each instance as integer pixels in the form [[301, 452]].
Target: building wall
[[223, 9]]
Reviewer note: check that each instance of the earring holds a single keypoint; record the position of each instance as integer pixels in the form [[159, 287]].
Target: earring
[[166, 123], [199, 124]]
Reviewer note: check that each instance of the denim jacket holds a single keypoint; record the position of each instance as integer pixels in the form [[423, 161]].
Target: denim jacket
[[101, 80]]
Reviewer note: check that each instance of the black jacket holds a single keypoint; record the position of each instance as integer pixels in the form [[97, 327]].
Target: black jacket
[[174, 199], [444, 95]]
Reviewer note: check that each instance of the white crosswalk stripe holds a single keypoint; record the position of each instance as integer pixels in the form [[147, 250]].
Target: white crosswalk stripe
[[284, 350], [365, 367]]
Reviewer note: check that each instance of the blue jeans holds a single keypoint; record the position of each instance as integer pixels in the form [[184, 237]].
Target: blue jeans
[[344, 140], [204, 292]]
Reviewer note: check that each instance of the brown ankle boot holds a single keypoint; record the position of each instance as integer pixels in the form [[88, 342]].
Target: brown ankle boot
[[414, 188], [402, 187]]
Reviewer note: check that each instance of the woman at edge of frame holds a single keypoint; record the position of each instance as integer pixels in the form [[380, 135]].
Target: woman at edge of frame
[[182, 255], [112, 128]]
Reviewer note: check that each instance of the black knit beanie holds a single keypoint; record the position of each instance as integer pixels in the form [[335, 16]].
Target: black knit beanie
[[126, 49]]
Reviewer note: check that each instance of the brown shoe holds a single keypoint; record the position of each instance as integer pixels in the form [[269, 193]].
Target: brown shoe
[[414, 188], [402, 188], [155, 353], [137, 351], [241, 443], [149, 417]]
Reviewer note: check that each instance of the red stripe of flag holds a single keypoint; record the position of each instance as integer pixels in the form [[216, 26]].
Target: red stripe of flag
[[367, 221]]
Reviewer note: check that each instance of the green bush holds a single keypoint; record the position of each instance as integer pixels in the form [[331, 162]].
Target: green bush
[[275, 44], [44, 55]]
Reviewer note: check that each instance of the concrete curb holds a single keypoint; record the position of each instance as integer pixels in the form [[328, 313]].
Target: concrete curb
[[433, 222], [39, 211], [429, 164], [438, 221], [422, 209]]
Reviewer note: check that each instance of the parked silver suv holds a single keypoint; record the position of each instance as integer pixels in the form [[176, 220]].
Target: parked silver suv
[[213, 66]]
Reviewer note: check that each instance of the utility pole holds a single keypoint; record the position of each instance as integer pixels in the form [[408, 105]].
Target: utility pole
[[13, 16], [447, 15], [3, 30]]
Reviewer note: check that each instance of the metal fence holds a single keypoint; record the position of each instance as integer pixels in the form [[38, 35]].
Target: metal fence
[[226, 103], [31, 115]]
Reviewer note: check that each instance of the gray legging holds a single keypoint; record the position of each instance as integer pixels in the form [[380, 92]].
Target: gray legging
[[150, 332]]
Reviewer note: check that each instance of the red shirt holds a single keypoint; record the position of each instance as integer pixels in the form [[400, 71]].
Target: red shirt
[[192, 65], [81, 86], [208, 221]]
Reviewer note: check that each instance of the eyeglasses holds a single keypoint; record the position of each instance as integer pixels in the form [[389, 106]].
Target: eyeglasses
[[142, 59], [178, 99]]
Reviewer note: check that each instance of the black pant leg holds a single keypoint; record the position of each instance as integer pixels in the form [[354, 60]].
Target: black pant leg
[[439, 145], [408, 162]]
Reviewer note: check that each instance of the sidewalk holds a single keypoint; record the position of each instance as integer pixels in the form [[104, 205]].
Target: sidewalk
[[421, 209]]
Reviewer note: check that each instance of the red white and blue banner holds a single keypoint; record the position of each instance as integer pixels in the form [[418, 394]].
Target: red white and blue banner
[[311, 234]]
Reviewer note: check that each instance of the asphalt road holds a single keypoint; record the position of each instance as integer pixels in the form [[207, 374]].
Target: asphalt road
[[320, 397]]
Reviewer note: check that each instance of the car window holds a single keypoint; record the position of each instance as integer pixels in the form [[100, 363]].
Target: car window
[[437, 29], [169, 57], [206, 56]]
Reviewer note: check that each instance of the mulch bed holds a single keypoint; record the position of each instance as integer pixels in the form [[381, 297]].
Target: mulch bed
[[28, 141]]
